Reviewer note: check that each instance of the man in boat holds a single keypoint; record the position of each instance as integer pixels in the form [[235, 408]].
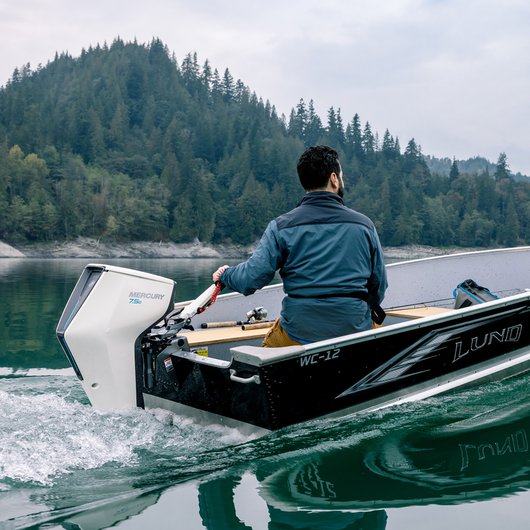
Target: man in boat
[[329, 257]]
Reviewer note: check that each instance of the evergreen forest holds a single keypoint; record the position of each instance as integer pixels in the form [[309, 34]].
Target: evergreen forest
[[126, 143]]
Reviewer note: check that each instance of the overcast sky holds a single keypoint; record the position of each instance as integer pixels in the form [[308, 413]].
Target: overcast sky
[[452, 74]]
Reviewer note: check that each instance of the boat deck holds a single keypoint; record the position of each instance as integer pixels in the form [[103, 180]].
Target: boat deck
[[219, 335], [417, 312], [205, 337]]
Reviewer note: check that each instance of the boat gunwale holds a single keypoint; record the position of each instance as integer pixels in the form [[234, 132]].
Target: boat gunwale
[[443, 257], [396, 264], [259, 356]]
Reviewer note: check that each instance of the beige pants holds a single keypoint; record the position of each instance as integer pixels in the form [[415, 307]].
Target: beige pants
[[277, 337]]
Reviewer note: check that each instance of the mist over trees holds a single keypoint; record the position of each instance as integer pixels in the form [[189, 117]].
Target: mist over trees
[[124, 143]]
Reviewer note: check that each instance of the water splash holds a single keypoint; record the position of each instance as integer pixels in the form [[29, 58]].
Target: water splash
[[41, 436], [46, 432]]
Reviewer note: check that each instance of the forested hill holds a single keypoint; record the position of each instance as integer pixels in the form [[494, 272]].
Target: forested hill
[[124, 143]]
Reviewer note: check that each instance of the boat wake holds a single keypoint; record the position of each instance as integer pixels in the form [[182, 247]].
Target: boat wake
[[46, 431], [32, 372], [57, 452]]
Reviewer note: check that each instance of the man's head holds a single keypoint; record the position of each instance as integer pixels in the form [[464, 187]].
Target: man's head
[[319, 169]]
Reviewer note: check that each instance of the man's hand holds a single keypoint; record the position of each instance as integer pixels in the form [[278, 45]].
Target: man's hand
[[217, 274]]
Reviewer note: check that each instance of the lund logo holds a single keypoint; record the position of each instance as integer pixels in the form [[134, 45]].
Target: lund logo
[[512, 444], [511, 334]]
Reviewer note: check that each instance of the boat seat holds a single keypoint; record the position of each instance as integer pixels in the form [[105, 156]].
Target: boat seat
[[417, 312]]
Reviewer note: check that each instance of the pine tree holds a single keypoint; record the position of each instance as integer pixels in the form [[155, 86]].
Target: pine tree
[[354, 138], [502, 170], [388, 147], [313, 129], [227, 86], [298, 120], [335, 129], [369, 143], [123, 143], [454, 173]]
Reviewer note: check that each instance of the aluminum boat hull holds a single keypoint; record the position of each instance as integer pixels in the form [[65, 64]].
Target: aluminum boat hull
[[236, 382]]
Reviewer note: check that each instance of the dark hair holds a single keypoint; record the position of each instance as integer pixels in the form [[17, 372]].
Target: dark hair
[[316, 165]]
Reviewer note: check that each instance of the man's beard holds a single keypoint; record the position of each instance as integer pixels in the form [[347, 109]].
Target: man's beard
[[340, 191]]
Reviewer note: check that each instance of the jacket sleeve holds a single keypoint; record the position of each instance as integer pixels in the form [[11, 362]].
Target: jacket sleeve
[[377, 284], [253, 274]]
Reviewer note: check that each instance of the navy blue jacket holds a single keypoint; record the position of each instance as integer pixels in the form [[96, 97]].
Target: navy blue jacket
[[321, 248]]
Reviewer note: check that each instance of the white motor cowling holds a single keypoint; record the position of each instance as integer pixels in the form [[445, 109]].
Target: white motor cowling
[[108, 310]]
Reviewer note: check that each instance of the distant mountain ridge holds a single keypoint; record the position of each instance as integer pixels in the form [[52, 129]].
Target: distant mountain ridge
[[474, 165]]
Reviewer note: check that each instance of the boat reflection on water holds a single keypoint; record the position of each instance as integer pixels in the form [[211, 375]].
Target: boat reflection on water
[[353, 481], [219, 512], [481, 458]]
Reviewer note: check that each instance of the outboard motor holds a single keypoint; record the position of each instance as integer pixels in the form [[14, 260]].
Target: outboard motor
[[108, 311]]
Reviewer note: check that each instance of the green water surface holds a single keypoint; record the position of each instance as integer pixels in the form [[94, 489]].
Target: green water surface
[[457, 461]]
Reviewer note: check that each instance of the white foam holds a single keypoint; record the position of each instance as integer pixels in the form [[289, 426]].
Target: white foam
[[188, 427], [44, 435], [36, 372]]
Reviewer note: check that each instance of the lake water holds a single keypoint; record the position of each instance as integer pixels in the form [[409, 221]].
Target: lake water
[[459, 461]]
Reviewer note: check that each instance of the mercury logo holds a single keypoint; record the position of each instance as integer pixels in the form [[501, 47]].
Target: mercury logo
[[152, 296]]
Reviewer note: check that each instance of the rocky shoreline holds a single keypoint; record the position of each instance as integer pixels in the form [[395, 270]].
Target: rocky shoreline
[[93, 248]]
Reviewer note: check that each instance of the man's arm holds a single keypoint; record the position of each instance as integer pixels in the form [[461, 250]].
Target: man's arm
[[253, 274]]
